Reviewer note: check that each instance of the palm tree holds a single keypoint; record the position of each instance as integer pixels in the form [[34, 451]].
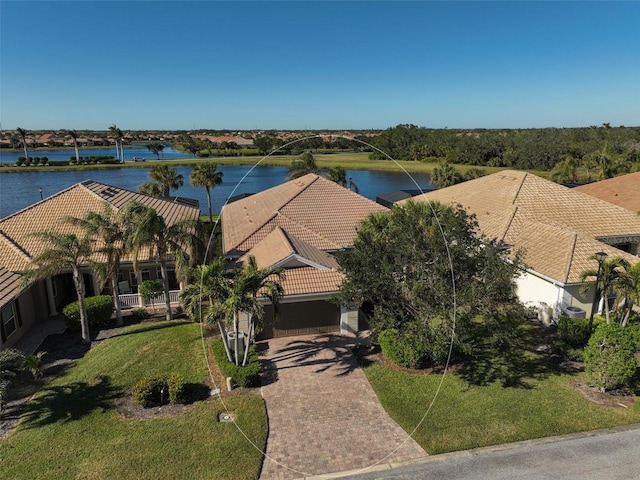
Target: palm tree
[[196, 298], [116, 133], [566, 170], [303, 165], [66, 252], [205, 175], [609, 273], [143, 227], [23, 138], [104, 228], [339, 175], [150, 188], [628, 287], [445, 175], [238, 292], [74, 136], [167, 177]]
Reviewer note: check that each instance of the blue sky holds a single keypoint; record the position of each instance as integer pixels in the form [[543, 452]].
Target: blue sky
[[316, 65]]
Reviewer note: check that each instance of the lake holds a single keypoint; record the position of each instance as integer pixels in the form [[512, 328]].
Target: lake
[[129, 153], [21, 189]]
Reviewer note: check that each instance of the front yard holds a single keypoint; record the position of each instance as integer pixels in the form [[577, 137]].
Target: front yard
[[497, 398], [72, 428]]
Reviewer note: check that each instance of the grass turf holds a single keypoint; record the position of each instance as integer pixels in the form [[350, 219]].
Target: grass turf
[[468, 414], [72, 430]]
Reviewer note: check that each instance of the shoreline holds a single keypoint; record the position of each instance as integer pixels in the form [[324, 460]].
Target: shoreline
[[353, 161]]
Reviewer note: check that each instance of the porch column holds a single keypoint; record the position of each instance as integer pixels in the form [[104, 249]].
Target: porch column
[[96, 286], [348, 319], [51, 299], [139, 281]]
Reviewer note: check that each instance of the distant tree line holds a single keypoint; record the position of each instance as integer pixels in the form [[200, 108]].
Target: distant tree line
[[595, 152]]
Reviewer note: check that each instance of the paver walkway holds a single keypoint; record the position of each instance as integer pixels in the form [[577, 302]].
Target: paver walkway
[[323, 414]]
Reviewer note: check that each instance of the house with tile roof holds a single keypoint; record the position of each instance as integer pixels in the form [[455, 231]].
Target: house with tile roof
[[297, 226], [23, 306], [559, 229], [623, 191]]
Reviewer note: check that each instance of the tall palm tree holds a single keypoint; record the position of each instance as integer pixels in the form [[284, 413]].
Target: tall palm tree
[[628, 287], [566, 170], [104, 228], [23, 138], [238, 292], [66, 252], [303, 165], [609, 273], [117, 135], [74, 136], [205, 175], [167, 177], [144, 228]]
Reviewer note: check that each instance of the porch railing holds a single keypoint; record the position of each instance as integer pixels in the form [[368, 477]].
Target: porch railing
[[132, 300]]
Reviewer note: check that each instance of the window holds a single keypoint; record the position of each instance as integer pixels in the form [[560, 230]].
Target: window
[[9, 322], [145, 275]]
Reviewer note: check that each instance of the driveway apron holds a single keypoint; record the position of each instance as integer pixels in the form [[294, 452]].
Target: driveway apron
[[324, 416]]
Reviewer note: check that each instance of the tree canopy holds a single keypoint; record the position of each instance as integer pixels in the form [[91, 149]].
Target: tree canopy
[[428, 276]]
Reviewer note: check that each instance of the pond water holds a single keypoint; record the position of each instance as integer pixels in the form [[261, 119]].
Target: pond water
[[21, 189]]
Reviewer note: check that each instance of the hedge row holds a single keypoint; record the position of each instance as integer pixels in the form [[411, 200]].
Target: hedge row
[[99, 310], [242, 376]]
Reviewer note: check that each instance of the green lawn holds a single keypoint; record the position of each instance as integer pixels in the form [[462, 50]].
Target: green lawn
[[72, 429], [468, 414]]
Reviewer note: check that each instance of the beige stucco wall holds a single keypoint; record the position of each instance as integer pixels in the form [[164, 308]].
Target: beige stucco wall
[[32, 308]]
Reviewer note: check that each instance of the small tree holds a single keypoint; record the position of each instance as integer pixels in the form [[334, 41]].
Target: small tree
[[149, 290], [12, 363], [609, 272], [156, 148], [609, 358]]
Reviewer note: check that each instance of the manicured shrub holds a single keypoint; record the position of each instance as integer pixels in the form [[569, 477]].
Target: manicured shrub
[[139, 313], [150, 289], [609, 358], [99, 310], [176, 385], [44, 160], [242, 376], [574, 331], [20, 161], [156, 390], [151, 391], [403, 350]]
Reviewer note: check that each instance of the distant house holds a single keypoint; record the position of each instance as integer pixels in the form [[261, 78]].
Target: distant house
[[297, 226], [240, 141], [558, 228], [623, 191], [24, 306]]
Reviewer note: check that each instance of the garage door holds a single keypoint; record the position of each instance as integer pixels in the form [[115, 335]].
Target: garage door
[[301, 319]]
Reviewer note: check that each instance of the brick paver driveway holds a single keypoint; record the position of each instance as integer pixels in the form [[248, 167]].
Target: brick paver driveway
[[323, 415]]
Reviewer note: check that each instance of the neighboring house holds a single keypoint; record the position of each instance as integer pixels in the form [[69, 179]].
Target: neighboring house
[[623, 191], [558, 228], [296, 226], [22, 307]]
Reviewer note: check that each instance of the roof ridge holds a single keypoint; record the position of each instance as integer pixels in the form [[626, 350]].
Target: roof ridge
[[299, 191], [95, 194], [15, 246], [276, 213], [33, 205], [317, 234], [571, 255], [524, 177]]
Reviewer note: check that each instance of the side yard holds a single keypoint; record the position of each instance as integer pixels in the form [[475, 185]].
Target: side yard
[[77, 427]]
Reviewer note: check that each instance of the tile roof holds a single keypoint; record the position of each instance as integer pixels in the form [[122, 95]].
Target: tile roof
[[310, 280], [623, 191], [557, 226], [10, 286], [313, 209], [17, 246], [308, 270]]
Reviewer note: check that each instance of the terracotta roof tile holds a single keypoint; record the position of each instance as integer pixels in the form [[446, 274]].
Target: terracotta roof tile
[[313, 209], [18, 246], [557, 226], [10, 286], [308, 280], [623, 191]]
